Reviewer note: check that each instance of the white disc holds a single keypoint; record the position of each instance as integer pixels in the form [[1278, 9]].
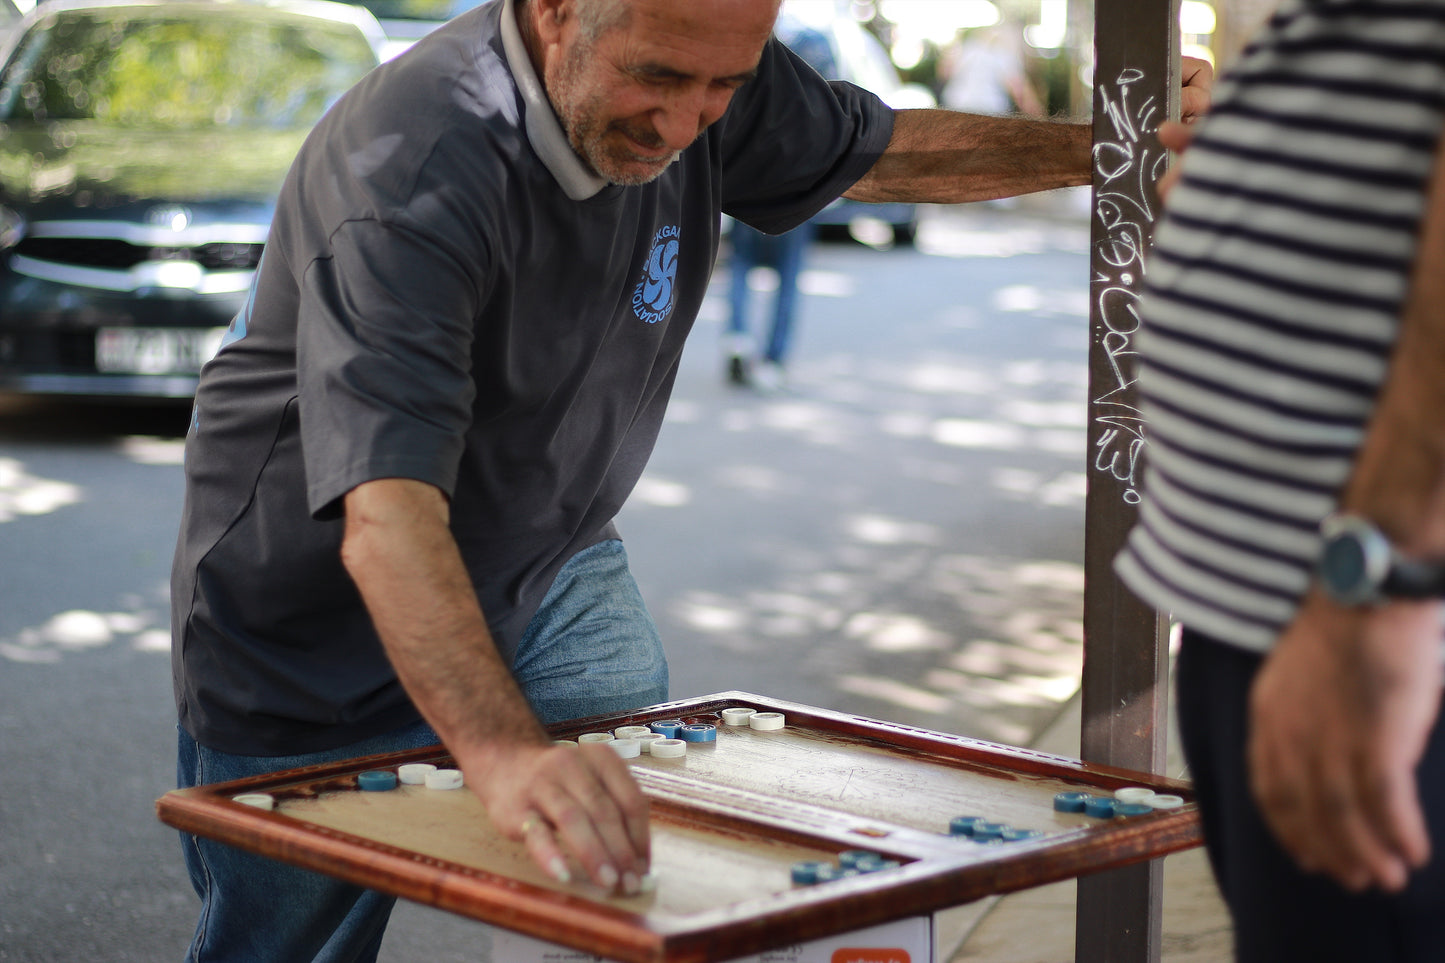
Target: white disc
[[1134, 794], [444, 779], [766, 720], [737, 715], [626, 748], [669, 748], [414, 773]]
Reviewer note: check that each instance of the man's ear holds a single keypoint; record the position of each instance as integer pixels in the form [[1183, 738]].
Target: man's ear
[[551, 16]]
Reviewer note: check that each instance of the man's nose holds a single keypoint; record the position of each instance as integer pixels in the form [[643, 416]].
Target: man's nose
[[688, 113]]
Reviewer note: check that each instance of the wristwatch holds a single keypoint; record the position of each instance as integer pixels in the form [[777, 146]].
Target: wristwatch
[[1359, 566]]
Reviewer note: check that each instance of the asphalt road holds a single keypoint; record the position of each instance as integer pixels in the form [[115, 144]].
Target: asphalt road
[[899, 535]]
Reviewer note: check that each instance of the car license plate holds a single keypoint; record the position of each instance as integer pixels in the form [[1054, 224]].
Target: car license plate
[[153, 351]]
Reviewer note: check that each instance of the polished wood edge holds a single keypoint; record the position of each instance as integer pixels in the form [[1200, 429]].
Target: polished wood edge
[[938, 873]]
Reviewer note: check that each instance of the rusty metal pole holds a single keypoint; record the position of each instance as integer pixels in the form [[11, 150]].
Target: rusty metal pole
[[1126, 673]]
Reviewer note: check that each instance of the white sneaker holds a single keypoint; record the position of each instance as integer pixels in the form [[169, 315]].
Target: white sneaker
[[769, 377]]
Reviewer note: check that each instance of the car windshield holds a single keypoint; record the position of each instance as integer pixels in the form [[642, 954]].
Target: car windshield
[[157, 67]]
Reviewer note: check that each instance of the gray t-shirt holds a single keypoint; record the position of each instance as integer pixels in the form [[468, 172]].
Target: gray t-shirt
[[448, 295]]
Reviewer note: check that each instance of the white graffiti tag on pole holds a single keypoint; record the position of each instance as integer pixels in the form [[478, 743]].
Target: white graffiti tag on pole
[[1126, 169]]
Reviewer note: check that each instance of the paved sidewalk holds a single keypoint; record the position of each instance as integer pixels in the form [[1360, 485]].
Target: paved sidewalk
[[1037, 925]]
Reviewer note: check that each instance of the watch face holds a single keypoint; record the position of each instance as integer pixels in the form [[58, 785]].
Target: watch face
[[1343, 563]]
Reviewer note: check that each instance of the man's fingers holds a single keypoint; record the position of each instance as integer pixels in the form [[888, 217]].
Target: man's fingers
[[620, 814], [1195, 97], [589, 822], [1323, 820], [1175, 136], [619, 785], [1357, 856], [1392, 807], [542, 845]]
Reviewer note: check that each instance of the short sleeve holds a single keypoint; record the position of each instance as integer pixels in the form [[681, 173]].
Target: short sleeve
[[793, 142], [384, 339]]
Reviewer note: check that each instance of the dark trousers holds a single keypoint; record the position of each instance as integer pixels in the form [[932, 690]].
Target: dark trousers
[[1280, 913]]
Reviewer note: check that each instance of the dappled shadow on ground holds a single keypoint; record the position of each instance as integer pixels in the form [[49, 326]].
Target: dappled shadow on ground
[[899, 533]]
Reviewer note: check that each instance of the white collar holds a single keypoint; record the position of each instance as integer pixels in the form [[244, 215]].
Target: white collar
[[543, 131]]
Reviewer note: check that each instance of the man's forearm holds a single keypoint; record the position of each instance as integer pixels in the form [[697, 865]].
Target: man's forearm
[[948, 157], [400, 552], [1342, 708], [1399, 474]]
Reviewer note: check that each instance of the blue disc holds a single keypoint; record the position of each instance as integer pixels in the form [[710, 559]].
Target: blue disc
[[963, 825], [808, 872], [850, 858], [376, 780], [1132, 809], [1070, 802], [697, 733], [1100, 807], [984, 831], [667, 727]]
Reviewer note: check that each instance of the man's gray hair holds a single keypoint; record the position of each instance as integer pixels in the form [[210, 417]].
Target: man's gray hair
[[596, 17]]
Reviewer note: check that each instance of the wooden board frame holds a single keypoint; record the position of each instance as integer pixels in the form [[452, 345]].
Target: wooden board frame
[[936, 874]]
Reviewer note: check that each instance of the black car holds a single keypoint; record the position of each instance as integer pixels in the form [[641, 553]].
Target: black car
[[142, 146]]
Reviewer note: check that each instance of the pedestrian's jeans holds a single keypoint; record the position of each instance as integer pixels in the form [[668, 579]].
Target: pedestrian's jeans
[[782, 252], [591, 648]]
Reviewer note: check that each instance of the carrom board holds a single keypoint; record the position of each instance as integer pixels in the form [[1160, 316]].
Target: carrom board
[[729, 819]]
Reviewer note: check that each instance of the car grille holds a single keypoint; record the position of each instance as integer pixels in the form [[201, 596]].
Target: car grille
[[99, 252]]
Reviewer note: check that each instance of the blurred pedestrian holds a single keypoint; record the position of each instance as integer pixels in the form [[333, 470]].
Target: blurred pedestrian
[[985, 74], [1293, 517], [783, 253]]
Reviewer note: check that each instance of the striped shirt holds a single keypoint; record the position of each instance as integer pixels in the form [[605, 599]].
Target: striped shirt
[[1275, 288]]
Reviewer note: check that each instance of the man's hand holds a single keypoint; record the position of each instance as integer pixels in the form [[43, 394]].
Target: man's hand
[[1175, 136], [400, 552], [561, 800], [1340, 713], [1197, 79], [1194, 101]]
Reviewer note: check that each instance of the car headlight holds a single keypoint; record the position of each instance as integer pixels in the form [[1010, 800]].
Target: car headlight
[[12, 228]]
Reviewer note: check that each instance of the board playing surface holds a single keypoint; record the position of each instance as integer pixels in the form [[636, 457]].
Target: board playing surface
[[729, 820]]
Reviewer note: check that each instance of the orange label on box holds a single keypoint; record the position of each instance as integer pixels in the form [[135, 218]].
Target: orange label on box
[[870, 954]]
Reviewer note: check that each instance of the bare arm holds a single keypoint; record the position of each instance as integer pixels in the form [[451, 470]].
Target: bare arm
[[1343, 706], [401, 554], [948, 157]]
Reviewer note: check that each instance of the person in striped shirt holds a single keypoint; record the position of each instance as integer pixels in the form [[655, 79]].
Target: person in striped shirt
[[1292, 375]]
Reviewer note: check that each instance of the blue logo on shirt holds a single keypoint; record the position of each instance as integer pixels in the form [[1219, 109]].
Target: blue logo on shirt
[[237, 330], [654, 297]]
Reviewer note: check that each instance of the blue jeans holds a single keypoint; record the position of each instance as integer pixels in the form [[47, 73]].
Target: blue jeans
[[591, 648], [782, 252]]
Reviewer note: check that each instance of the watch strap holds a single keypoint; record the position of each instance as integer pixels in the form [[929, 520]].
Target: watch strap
[[1413, 579]]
